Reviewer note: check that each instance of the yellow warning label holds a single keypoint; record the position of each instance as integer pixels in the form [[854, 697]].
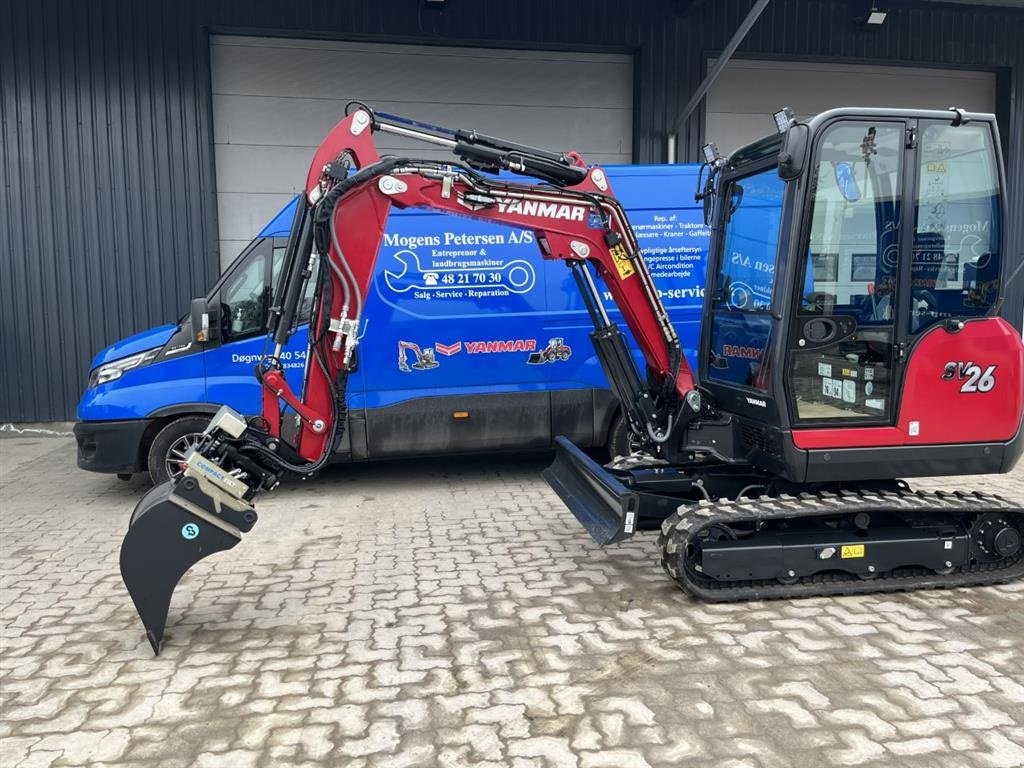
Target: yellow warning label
[[936, 167], [621, 259], [852, 550]]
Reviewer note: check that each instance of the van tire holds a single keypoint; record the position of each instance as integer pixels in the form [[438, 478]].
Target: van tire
[[176, 433], [620, 437]]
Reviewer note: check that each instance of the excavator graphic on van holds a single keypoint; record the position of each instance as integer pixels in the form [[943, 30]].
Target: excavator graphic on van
[[424, 361]]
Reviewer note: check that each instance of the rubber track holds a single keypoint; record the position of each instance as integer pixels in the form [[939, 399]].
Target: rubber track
[[688, 521]]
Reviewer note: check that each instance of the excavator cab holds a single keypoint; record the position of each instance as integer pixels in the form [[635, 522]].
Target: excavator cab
[[853, 257]]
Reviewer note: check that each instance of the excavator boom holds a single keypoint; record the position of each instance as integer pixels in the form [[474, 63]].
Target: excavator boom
[[349, 192]]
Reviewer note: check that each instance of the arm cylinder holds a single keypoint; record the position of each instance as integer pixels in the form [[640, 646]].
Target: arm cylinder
[[300, 245]]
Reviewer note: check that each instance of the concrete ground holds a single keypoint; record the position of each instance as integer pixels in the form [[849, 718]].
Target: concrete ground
[[451, 613]]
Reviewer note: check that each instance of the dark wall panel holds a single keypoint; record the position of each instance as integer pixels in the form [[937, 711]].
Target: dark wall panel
[[108, 211], [107, 171]]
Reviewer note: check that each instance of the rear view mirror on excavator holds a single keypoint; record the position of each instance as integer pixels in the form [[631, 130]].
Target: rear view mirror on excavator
[[794, 149], [779, 468]]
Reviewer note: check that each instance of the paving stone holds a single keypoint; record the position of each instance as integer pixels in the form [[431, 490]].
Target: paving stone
[[452, 613]]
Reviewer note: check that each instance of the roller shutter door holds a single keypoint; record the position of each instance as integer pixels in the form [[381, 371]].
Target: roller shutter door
[[275, 99], [747, 92]]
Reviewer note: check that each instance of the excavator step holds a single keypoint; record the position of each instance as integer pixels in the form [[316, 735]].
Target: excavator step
[[796, 546]]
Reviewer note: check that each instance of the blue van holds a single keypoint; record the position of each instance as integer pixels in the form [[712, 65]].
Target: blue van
[[473, 342]]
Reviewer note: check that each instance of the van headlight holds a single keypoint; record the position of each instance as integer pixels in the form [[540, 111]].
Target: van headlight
[[115, 370]]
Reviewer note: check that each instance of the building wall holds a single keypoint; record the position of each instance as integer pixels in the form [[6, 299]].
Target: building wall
[[105, 226], [109, 216]]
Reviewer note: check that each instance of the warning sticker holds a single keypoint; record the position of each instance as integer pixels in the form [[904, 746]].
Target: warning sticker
[[621, 259], [832, 387], [851, 550]]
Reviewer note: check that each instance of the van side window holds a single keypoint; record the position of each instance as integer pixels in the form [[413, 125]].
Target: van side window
[[955, 268], [244, 297]]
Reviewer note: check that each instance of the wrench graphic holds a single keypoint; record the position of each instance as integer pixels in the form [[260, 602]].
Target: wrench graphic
[[517, 276]]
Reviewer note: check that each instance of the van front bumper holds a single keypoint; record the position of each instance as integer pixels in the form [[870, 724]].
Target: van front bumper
[[110, 446]]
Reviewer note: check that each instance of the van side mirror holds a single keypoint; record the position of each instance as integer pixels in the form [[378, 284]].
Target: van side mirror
[[206, 318], [793, 154]]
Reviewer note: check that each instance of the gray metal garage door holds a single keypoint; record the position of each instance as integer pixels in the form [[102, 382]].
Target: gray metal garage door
[[741, 103], [274, 100]]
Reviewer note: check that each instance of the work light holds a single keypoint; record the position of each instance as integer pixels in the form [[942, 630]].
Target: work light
[[783, 119]]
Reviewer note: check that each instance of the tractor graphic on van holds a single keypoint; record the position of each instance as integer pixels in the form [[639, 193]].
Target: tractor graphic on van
[[556, 350]]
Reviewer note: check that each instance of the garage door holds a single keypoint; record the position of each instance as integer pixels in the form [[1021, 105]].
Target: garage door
[[275, 99], [741, 103]]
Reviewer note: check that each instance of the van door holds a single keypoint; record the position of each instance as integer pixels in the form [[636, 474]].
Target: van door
[[455, 317], [670, 229], [245, 296]]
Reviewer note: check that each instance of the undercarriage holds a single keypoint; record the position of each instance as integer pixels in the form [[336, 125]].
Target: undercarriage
[[729, 532]]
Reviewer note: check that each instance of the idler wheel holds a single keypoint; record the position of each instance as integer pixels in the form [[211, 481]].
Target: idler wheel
[[996, 537]]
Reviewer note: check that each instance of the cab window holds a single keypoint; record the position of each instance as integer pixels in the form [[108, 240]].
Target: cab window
[[955, 267], [747, 261], [849, 287], [741, 323]]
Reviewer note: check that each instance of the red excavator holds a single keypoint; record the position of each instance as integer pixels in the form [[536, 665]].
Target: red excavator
[[853, 335]]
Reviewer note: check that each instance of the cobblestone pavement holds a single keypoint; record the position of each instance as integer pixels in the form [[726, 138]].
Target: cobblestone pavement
[[451, 613]]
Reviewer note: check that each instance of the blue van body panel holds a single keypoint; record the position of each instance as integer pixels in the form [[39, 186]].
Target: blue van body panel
[[141, 391], [281, 224], [487, 306], [140, 342], [496, 317]]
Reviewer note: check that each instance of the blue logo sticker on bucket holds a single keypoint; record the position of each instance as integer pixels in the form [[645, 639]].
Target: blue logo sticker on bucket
[[189, 531]]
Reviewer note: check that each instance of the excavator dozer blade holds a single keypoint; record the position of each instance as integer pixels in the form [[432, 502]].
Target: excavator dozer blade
[[605, 507], [167, 535]]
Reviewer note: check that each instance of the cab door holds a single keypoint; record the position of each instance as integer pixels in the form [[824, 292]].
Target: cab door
[[850, 326], [736, 364]]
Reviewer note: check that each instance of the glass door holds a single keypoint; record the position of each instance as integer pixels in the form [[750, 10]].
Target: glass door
[[845, 338], [741, 320]]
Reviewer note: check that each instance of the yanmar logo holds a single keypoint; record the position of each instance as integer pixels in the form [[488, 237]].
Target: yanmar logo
[[758, 403], [544, 210], [510, 345]]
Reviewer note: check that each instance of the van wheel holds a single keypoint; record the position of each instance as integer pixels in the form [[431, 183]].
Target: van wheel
[[169, 447], [621, 440]]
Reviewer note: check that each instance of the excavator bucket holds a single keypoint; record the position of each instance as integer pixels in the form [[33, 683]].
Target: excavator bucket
[[173, 527], [605, 507]]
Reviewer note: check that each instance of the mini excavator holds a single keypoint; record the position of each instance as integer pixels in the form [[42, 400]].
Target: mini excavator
[[853, 336]]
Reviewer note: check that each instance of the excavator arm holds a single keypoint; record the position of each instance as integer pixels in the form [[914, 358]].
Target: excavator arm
[[349, 192]]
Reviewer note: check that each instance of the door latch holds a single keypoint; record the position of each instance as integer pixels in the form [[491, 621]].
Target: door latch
[[911, 142]]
